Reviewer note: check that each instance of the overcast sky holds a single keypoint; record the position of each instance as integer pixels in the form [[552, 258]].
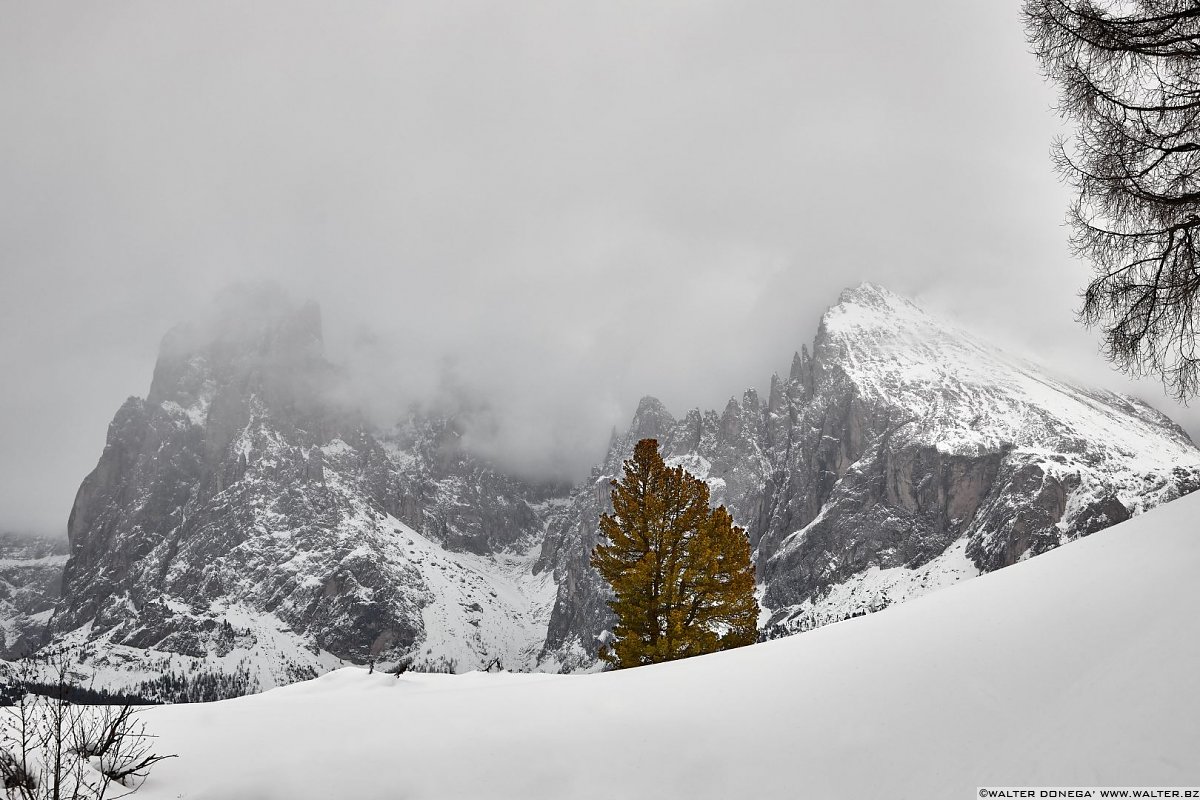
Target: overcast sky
[[534, 193]]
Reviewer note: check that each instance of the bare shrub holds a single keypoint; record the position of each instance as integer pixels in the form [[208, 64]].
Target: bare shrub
[[52, 749]]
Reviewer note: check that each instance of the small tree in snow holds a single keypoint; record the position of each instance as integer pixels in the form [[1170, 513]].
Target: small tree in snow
[[52, 749]]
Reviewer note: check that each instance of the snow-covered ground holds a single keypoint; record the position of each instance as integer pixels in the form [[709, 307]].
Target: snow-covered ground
[[1078, 667]]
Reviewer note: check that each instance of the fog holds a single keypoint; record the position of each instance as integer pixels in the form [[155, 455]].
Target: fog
[[558, 207]]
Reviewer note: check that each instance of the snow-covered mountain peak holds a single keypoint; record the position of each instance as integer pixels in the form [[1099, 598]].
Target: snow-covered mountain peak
[[903, 454], [951, 389], [869, 293], [873, 325]]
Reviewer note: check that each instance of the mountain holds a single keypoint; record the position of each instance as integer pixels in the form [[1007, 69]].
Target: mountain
[[242, 522], [30, 581], [1076, 668], [246, 528], [902, 455]]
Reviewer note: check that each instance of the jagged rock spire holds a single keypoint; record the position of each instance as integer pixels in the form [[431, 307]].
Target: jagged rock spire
[[651, 420], [775, 398], [799, 363]]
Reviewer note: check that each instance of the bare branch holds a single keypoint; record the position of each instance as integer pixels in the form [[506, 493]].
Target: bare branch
[[1129, 76]]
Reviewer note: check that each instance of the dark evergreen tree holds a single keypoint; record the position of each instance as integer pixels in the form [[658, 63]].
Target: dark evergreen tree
[[680, 572]]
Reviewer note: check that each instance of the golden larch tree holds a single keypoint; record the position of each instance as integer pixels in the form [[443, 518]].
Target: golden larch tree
[[680, 572]]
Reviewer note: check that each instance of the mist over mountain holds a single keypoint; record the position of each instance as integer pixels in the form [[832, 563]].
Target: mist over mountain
[[249, 524], [525, 406], [534, 201]]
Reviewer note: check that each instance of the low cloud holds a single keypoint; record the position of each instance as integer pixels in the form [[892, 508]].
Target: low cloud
[[566, 207]]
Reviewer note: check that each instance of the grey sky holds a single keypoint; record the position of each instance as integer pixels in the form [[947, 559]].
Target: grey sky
[[538, 193]]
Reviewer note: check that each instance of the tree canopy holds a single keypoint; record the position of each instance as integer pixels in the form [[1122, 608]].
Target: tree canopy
[[1129, 75], [681, 574]]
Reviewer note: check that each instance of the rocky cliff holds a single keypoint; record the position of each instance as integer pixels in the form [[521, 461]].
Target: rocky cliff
[[241, 520]]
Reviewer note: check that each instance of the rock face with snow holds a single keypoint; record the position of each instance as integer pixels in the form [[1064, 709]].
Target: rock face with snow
[[30, 579], [240, 519], [244, 523], [902, 455]]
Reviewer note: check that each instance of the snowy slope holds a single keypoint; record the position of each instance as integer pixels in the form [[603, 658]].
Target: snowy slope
[[1075, 668]]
